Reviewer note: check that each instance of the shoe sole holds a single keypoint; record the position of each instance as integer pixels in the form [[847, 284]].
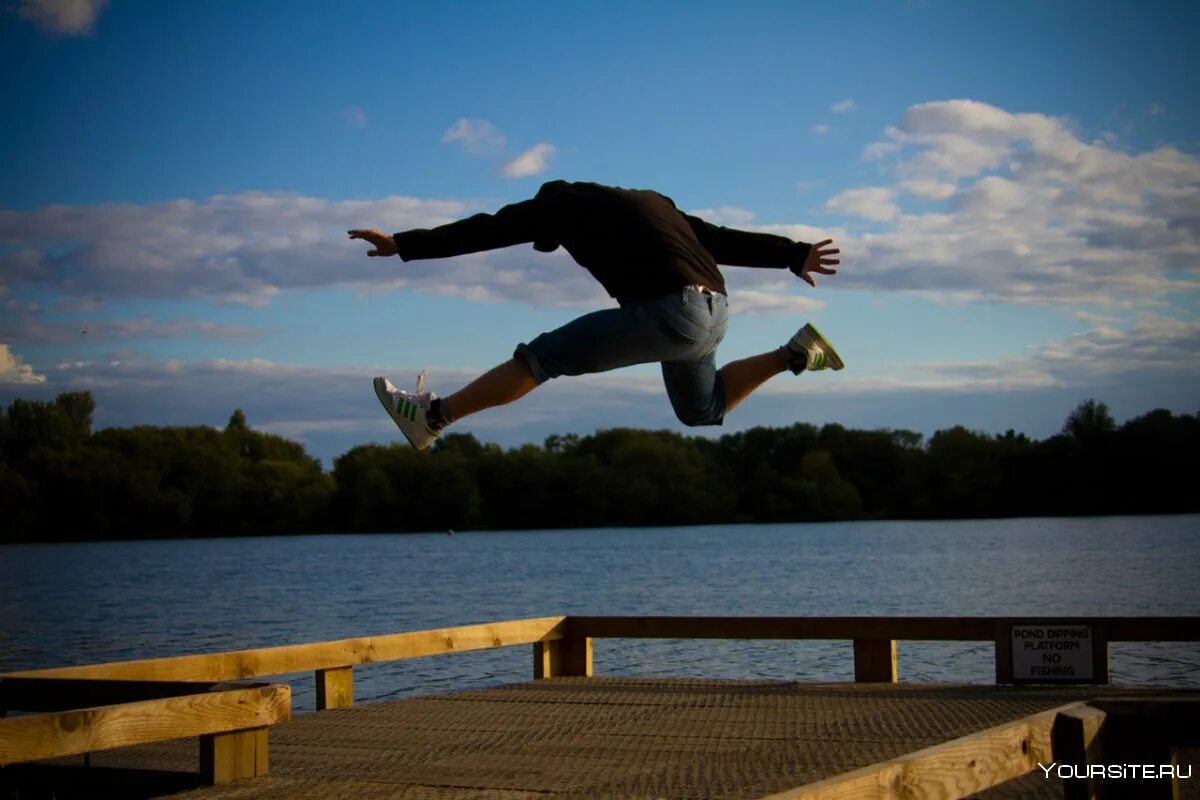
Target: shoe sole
[[835, 361], [385, 400]]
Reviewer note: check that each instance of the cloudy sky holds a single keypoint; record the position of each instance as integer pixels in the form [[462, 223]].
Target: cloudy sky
[[1015, 188]]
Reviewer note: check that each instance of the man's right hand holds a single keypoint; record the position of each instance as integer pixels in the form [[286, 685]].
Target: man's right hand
[[384, 245]]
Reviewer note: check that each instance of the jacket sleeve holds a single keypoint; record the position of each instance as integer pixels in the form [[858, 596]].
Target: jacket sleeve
[[745, 249], [512, 224]]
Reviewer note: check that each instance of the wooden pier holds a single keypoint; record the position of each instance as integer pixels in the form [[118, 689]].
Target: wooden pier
[[570, 734]]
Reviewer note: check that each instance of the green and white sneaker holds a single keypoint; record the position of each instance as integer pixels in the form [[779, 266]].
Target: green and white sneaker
[[408, 410], [809, 350]]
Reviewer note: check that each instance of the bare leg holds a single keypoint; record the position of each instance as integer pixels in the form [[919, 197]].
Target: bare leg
[[502, 384], [742, 377]]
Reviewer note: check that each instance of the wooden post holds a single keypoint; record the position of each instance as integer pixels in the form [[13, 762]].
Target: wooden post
[[335, 688], [875, 660], [1004, 666], [1100, 653], [577, 656], [1178, 759], [228, 756], [563, 657], [546, 657], [1076, 739]]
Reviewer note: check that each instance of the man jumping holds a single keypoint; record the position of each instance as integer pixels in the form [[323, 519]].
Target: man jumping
[[661, 267]]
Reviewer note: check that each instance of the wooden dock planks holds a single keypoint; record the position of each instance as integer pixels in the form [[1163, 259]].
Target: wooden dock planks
[[637, 738]]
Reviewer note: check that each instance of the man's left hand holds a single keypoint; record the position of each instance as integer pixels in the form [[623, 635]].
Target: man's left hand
[[818, 260]]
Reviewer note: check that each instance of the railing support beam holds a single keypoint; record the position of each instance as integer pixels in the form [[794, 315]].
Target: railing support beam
[[875, 661], [560, 658], [335, 688], [229, 756]]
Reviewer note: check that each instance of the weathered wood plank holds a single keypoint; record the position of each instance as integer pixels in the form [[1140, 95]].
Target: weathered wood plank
[[953, 769], [317, 655], [72, 732]]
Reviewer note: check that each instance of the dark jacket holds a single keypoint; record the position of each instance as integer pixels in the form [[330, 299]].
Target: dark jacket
[[634, 241]]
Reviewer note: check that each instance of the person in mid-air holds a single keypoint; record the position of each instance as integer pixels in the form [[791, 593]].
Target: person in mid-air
[[661, 267]]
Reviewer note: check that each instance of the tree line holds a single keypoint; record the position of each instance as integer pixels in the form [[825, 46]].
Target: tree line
[[61, 481]]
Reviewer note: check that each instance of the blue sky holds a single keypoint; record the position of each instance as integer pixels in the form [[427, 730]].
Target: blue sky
[[1015, 188]]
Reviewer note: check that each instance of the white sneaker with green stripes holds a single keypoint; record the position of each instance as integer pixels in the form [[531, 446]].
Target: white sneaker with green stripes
[[408, 410], [809, 350]]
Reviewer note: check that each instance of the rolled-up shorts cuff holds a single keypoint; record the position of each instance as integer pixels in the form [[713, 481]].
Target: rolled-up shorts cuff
[[535, 365]]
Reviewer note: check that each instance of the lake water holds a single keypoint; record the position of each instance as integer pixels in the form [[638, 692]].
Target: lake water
[[81, 603]]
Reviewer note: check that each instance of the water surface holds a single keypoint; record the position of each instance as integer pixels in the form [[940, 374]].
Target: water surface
[[82, 603]]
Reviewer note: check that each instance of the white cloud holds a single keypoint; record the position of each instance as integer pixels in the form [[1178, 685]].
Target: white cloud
[[478, 136], [356, 117], [724, 215], [1036, 216], [751, 301], [533, 161], [243, 248], [66, 17], [873, 203], [1156, 110], [14, 370], [1054, 220], [992, 197], [842, 106], [928, 190], [820, 129]]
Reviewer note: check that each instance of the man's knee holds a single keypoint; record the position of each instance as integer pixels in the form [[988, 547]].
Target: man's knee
[[698, 417]]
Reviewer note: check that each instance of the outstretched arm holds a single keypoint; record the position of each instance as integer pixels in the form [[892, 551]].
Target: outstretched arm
[[746, 249], [511, 225]]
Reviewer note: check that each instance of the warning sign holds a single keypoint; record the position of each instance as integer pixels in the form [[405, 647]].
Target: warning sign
[[1052, 653]]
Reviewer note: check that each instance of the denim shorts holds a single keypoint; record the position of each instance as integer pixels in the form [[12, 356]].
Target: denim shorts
[[680, 330]]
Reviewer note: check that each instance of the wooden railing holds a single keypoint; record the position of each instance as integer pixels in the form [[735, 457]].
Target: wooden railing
[[875, 638], [81, 716], [562, 646], [332, 662], [90, 707]]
